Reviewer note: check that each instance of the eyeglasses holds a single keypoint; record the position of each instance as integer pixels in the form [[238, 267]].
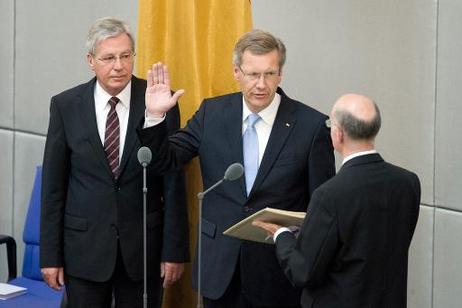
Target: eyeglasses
[[328, 123], [124, 58], [271, 75]]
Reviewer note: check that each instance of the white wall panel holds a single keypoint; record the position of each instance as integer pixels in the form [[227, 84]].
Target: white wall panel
[[448, 165], [419, 288], [448, 259], [6, 62]]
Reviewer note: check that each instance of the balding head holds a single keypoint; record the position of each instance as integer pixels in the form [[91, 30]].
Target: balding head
[[358, 116]]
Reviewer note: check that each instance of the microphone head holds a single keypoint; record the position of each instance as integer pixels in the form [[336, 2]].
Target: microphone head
[[233, 172], [144, 156]]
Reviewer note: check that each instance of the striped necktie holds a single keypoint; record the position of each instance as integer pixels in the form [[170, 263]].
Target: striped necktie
[[112, 136]]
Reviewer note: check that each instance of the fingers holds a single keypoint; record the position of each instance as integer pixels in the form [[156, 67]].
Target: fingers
[[162, 269], [158, 74], [172, 273], [155, 73], [53, 276], [61, 276], [149, 78], [166, 76]]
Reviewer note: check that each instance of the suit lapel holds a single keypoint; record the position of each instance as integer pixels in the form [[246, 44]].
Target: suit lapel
[[283, 124], [137, 107], [233, 132], [87, 98]]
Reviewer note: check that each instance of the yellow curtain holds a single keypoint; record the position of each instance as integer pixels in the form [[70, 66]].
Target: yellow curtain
[[195, 39]]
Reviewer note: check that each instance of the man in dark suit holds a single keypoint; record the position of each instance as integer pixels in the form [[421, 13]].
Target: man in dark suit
[[286, 151], [92, 208], [352, 250]]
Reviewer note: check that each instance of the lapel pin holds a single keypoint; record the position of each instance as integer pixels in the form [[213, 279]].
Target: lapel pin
[[287, 124]]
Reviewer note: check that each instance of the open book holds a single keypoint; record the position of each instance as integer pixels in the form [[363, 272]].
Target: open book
[[244, 229], [8, 291]]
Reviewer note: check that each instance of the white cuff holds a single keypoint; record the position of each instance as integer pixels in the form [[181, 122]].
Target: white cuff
[[150, 122], [279, 231]]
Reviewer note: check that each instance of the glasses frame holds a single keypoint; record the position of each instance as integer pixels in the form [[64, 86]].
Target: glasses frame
[[112, 59], [254, 77]]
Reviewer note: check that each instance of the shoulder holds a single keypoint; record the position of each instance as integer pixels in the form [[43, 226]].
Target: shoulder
[[301, 109], [70, 94]]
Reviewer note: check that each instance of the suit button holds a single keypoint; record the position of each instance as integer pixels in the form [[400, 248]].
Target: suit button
[[118, 188], [246, 209]]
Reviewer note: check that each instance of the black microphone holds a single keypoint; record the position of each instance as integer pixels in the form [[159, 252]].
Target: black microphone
[[233, 172], [144, 156]]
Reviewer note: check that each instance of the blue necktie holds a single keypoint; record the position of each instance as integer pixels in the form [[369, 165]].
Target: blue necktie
[[250, 147]]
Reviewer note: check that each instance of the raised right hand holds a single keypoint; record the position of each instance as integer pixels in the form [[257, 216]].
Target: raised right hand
[[159, 98]]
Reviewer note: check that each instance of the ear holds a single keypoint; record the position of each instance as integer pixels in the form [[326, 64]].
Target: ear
[[91, 61], [236, 72]]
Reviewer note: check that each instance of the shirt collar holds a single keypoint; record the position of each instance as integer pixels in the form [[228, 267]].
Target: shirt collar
[[351, 156], [102, 97], [268, 115]]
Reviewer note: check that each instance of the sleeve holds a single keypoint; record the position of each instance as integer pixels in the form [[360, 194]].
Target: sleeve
[[321, 158], [175, 234], [170, 153], [55, 177], [305, 260]]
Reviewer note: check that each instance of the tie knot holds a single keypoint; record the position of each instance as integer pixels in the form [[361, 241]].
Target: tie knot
[[252, 119], [113, 101]]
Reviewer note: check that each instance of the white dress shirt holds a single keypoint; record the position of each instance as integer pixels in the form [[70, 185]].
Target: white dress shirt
[[102, 108], [263, 126]]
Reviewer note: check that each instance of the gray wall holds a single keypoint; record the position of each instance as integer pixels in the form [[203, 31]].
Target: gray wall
[[403, 53]]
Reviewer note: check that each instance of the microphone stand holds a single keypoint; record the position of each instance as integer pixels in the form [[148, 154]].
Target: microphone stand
[[200, 198], [145, 192]]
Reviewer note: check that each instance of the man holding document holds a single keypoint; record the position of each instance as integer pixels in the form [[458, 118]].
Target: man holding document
[[352, 250], [286, 151]]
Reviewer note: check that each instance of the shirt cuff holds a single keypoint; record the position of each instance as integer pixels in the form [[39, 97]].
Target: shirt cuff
[[279, 231], [150, 122]]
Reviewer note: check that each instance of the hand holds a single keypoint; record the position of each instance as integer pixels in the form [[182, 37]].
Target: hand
[[53, 276], [270, 228], [158, 96], [171, 272]]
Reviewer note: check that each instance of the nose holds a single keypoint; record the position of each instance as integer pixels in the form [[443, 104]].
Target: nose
[[261, 82], [118, 63]]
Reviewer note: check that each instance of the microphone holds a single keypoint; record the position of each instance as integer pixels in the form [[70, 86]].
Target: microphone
[[232, 173], [144, 156]]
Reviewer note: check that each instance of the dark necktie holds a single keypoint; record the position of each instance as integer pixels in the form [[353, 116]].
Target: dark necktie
[[112, 136]]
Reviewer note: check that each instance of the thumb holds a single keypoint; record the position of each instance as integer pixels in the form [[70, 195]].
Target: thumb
[[162, 269], [177, 95], [61, 277]]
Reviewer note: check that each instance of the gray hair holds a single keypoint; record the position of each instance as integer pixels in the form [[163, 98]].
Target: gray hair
[[258, 42], [105, 28], [356, 128]]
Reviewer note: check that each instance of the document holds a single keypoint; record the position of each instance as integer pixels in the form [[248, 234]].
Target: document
[[244, 229], [8, 291]]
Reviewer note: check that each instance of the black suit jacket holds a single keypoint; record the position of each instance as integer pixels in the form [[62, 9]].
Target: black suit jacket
[[298, 158], [86, 213], [353, 247]]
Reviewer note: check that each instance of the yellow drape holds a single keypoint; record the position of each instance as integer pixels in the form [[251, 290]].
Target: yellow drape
[[195, 38]]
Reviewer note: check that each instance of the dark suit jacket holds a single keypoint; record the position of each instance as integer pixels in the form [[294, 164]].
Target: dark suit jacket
[[86, 212], [298, 158], [353, 247]]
